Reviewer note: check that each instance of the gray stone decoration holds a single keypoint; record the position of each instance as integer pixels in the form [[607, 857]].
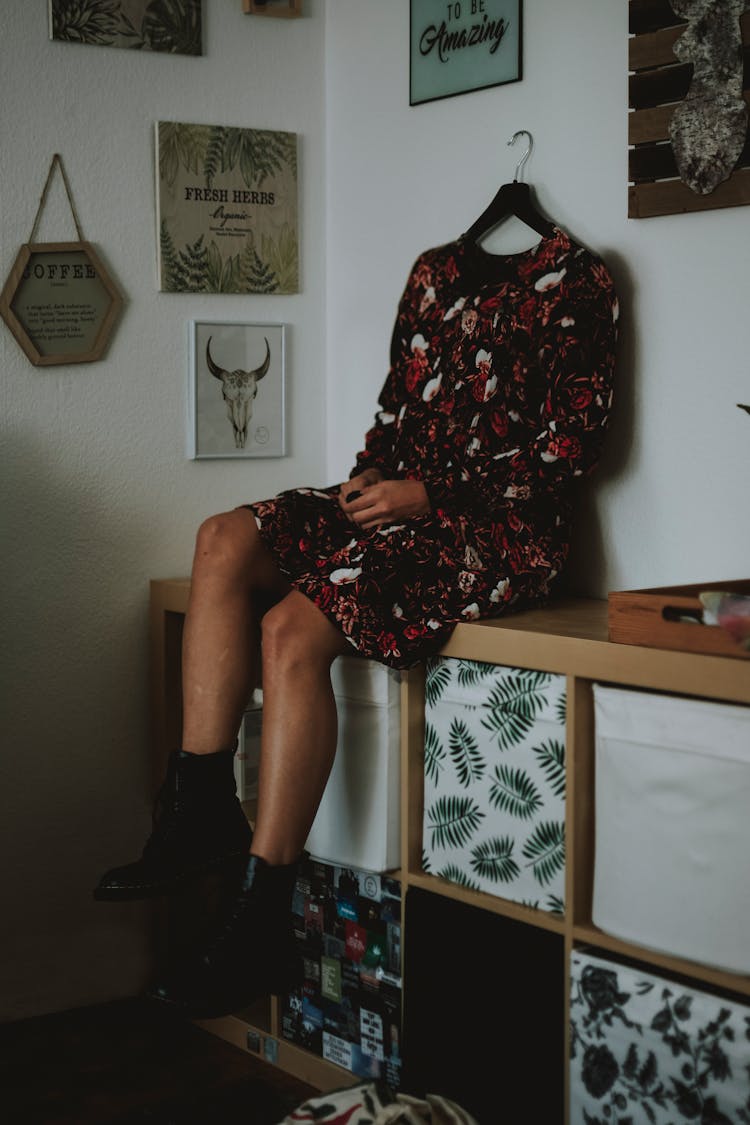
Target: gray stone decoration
[[494, 785], [709, 126]]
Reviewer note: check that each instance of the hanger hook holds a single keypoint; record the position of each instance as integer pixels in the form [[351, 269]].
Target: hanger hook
[[527, 154]]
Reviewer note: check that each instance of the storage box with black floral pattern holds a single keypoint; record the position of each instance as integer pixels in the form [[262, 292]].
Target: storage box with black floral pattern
[[494, 796], [645, 1048]]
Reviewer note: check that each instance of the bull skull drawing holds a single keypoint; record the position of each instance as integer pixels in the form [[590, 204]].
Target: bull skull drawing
[[239, 389]]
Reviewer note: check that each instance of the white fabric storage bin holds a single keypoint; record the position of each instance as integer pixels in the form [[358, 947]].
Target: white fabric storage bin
[[671, 865], [653, 1051], [494, 785], [358, 822]]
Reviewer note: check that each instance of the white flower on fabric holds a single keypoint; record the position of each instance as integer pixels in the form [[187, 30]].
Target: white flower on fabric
[[483, 357], [396, 610], [473, 446], [433, 624], [507, 453], [549, 457], [432, 388], [514, 415], [474, 422], [456, 308], [386, 419], [616, 310], [418, 341], [390, 528], [549, 281], [471, 612], [428, 299], [567, 322], [466, 580], [345, 574], [490, 387], [499, 592]]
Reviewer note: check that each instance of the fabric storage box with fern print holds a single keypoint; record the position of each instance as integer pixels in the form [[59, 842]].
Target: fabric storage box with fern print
[[648, 1049], [494, 797]]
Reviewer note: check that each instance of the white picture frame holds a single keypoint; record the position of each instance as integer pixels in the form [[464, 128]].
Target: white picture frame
[[236, 390]]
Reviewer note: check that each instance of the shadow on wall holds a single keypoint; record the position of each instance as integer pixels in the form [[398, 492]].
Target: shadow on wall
[[587, 564], [74, 772]]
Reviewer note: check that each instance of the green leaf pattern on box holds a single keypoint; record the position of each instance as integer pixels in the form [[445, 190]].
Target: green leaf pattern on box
[[494, 764], [647, 1049]]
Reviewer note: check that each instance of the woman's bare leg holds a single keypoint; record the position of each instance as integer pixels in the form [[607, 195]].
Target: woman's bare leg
[[231, 564], [298, 740]]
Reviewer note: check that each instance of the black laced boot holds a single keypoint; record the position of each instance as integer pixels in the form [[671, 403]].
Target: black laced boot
[[198, 826], [252, 953]]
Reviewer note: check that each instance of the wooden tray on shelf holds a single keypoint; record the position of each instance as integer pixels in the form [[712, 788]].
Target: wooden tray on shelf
[[656, 618]]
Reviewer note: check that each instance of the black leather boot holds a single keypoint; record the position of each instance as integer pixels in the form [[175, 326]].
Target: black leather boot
[[252, 953], [199, 826]]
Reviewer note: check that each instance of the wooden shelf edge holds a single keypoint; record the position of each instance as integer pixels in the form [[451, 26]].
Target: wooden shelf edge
[[589, 934], [294, 1060], [513, 910]]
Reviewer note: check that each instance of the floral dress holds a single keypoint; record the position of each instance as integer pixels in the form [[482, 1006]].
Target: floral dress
[[497, 398]]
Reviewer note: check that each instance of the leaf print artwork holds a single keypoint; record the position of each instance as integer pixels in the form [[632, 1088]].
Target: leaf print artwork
[[434, 753], [545, 851], [493, 859], [551, 756], [438, 678], [513, 704], [467, 760], [515, 792], [454, 820], [229, 193], [171, 26], [517, 782]]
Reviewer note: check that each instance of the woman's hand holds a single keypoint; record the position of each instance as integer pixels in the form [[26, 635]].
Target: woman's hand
[[383, 502]]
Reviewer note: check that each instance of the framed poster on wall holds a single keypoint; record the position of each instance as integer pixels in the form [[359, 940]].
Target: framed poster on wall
[[462, 45], [236, 390]]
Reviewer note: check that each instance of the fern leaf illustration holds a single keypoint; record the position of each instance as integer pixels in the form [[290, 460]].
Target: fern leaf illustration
[[282, 256], [469, 763], [545, 850], [561, 709], [513, 704], [426, 862], [456, 874], [434, 753], [513, 791], [438, 678], [470, 672], [555, 904], [493, 859], [213, 162], [453, 821], [551, 757]]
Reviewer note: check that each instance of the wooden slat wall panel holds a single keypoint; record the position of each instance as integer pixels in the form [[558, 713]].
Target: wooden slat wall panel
[[657, 83]]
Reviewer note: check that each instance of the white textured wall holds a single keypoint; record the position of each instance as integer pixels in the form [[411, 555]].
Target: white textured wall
[[97, 494], [669, 503]]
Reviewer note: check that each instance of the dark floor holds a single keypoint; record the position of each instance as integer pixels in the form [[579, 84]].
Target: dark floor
[[131, 1063]]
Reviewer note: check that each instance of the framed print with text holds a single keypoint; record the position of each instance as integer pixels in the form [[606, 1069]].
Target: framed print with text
[[462, 45], [236, 390]]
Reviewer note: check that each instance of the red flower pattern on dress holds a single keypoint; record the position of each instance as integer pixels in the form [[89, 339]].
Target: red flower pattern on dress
[[497, 398]]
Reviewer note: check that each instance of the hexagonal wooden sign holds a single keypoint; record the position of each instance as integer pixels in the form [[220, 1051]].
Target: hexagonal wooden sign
[[60, 303]]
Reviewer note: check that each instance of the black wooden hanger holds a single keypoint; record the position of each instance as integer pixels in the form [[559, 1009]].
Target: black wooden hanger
[[512, 199]]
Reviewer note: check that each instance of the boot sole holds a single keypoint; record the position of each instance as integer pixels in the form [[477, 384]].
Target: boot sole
[[177, 882]]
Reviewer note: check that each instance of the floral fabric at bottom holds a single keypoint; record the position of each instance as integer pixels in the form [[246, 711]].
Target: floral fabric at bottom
[[372, 1103], [648, 1051]]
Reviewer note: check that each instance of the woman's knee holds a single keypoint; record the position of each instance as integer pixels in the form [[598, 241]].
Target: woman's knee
[[227, 540], [297, 634]]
